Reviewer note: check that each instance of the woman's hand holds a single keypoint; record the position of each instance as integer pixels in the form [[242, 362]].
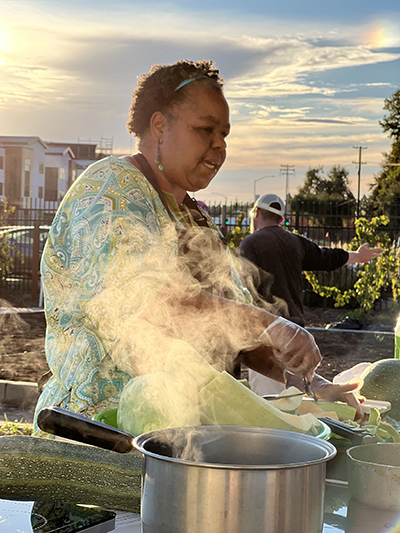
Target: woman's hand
[[293, 346], [330, 392]]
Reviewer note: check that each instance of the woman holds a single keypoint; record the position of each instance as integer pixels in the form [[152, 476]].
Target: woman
[[127, 225]]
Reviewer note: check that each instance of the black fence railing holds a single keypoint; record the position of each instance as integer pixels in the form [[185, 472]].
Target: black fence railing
[[330, 224], [26, 231], [327, 223]]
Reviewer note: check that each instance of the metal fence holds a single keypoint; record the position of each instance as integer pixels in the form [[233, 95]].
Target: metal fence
[[26, 231], [330, 224], [326, 223]]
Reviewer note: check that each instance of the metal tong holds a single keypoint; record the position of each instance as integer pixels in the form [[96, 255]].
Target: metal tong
[[308, 389], [272, 397], [356, 435]]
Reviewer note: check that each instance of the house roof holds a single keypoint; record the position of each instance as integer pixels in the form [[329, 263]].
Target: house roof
[[84, 162], [19, 141], [59, 150]]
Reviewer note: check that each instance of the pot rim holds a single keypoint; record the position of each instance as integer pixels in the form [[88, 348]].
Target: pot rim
[[330, 451], [373, 463]]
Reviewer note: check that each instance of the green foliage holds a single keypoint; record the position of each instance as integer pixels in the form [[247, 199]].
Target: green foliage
[[391, 122], [15, 427], [324, 196], [6, 261], [386, 186], [236, 236], [375, 276], [333, 186]]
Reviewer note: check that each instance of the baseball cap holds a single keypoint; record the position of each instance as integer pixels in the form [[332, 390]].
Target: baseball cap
[[265, 202]]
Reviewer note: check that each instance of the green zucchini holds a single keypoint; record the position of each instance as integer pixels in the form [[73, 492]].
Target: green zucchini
[[33, 468]]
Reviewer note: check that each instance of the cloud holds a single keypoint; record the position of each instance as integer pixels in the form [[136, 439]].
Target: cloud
[[69, 72], [281, 69], [83, 52], [323, 121]]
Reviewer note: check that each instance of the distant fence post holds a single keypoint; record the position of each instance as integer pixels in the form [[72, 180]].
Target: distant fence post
[[35, 261], [223, 227]]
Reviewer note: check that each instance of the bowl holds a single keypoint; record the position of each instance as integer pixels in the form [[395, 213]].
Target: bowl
[[109, 417]]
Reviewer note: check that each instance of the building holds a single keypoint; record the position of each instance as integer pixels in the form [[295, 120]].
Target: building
[[23, 168], [2, 174], [86, 152], [33, 172], [84, 155], [58, 171]]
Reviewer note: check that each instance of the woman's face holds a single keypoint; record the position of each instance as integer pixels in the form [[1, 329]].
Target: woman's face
[[193, 145]]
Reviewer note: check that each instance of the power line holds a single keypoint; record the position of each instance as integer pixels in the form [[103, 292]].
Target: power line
[[359, 163]]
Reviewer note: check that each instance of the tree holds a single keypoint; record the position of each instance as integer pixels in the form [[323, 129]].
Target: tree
[[385, 190], [374, 277], [391, 123], [332, 187], [325, 197]]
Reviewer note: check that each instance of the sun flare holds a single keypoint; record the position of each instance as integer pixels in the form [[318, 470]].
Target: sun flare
[[382, 34], [5, 40]]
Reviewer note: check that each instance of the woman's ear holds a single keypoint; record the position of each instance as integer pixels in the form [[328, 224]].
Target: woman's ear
[[157, 126]]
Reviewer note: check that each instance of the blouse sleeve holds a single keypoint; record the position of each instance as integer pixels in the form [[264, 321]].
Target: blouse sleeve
[[106, 207]]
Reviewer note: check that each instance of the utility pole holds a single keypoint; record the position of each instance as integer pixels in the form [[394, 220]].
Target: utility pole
[[287, 170], [359, 163]]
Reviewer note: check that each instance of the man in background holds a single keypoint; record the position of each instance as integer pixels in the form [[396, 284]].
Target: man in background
[[281, 257]]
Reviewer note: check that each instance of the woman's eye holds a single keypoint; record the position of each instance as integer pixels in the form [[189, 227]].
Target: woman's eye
[[205, 129]]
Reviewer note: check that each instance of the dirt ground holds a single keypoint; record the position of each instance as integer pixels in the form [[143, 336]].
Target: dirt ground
[[22, 354], [342, 349]]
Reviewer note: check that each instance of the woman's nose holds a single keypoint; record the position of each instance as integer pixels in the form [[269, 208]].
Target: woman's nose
[[219, 142]]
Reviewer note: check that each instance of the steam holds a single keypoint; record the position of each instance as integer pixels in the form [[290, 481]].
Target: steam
[[258, 281], [145, 309], [146, 300], [187, 444]]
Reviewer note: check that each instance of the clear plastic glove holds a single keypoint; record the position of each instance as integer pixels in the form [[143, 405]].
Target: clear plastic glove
[[330, 392], [293, 346]]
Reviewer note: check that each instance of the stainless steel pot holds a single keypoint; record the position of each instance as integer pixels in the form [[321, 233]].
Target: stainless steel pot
[[374, 474], [239, 480]]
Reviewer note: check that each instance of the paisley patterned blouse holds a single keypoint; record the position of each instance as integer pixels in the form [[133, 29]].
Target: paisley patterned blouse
[[92, 223]]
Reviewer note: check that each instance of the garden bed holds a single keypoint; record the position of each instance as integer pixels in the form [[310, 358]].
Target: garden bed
[[22, 356]]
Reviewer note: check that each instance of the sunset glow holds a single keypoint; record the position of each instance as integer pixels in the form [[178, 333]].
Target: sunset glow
[[303, 88]]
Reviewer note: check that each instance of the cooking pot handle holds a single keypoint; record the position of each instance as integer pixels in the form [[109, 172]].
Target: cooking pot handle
[[76, 427]]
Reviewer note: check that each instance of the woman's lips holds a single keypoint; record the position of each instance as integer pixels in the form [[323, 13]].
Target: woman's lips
[[211, 165]]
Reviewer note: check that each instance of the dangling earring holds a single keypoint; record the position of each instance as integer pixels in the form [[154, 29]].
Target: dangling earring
[[158, 158]]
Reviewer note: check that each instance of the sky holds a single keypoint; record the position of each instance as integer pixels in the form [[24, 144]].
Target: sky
[[305, 81]]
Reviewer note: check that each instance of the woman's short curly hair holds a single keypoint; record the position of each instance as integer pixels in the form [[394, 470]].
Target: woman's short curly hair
[[155, 91]]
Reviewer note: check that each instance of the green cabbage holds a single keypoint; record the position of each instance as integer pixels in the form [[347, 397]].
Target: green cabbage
[[184, 360], [225, 401], [157, 401]]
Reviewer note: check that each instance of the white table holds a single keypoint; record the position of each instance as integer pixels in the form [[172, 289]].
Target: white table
[[127, 522]]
